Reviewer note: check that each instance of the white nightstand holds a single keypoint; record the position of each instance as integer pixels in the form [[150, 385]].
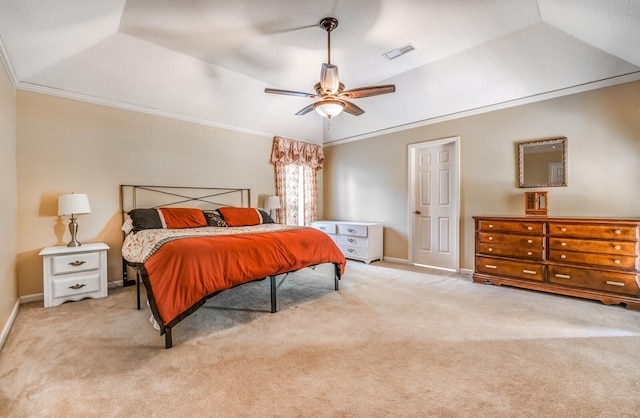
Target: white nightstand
[[74, 273]]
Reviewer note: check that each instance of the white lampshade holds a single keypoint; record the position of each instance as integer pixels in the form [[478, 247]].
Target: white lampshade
[[73, 204], [329, 108], [272, 202]]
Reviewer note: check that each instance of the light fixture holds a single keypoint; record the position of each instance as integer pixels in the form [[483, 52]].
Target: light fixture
[[71, 205], [271, 203], [329, 108]]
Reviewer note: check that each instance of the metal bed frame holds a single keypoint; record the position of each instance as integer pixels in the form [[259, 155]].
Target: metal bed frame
[[204, 197]]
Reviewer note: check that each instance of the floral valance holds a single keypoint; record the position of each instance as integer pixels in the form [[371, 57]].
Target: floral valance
[[289, 151]]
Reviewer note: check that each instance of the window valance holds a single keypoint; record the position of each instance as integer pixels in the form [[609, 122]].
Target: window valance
[[289, 151]]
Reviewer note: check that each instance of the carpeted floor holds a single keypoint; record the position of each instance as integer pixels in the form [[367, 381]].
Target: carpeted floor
[[391, 342]]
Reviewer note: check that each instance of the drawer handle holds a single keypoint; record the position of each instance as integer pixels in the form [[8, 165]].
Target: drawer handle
[[77, 263], [564, 244], [563, 256], [351, 250], [617, 247], [529, 271], [351, 230], [77, 286], [562, 276], [490, 238], [530, 228], [563, 229], [529, 241], [617, 232], [322, 228], [529, 253], [491, 226], [351, 240], [490, 250], [616, 261], [490, 266], [609, 282]]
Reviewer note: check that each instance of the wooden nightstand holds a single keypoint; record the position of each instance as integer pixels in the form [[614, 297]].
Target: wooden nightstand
[[74, 273]]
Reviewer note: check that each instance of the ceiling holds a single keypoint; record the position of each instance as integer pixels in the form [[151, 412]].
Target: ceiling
[[209, 61]]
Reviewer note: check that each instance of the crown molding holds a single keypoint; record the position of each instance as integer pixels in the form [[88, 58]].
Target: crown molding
[[579, 88]]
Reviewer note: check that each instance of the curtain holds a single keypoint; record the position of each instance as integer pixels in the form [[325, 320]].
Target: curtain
[[288, 155]]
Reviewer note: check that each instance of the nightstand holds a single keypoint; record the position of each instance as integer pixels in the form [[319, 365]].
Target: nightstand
[[74, 273]]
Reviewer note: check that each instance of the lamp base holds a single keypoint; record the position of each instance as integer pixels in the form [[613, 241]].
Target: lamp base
[[73, 228]]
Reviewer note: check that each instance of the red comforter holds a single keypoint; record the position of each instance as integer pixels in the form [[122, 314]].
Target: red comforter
[[182, 273]]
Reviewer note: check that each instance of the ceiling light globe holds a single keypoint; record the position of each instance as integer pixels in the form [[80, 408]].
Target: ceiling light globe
[[329, 108]]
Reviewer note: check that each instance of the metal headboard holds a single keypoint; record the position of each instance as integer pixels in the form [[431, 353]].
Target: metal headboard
[[207, 198]]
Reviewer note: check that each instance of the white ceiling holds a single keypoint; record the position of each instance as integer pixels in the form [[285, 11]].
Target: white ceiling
[[209, 61]]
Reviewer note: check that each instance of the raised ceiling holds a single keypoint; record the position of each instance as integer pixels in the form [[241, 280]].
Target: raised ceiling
[[209, 61]]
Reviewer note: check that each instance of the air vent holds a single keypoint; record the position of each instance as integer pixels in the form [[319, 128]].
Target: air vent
[[398, 51]]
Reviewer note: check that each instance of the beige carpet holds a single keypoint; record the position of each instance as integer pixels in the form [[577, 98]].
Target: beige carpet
[[389, 343]]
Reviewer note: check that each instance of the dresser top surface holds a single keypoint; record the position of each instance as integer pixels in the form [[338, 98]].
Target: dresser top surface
[[534, 218]]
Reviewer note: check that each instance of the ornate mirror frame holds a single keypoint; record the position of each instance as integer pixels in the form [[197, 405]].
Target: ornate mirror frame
[[549, 157]]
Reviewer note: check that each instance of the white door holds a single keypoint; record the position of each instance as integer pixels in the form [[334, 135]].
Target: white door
[[434, 204]]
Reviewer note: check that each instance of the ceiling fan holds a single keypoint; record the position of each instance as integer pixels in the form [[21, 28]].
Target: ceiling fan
[[330, 90]]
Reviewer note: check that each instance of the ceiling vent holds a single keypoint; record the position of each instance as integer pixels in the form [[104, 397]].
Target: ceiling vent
[[398, 51]]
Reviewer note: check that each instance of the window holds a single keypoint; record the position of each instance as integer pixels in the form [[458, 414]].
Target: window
[[296, 164]]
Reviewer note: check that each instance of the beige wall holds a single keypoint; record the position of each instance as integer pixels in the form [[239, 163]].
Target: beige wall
[[367, 180], [8, 203], [68, 146]]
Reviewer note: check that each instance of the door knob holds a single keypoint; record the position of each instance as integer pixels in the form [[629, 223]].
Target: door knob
[[417, 212]]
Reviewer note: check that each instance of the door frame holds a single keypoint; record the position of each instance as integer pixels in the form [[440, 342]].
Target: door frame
[[455, 194]]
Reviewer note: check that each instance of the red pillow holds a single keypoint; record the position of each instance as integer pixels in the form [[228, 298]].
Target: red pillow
[[174, 218], [240, 216]]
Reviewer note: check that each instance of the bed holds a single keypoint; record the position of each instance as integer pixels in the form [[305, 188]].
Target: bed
[[188, 244]]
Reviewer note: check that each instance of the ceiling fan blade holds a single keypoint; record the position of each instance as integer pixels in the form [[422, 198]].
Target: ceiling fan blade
[[305, 110], [367, 91], [329, 80], [289, 92], [352, 109]]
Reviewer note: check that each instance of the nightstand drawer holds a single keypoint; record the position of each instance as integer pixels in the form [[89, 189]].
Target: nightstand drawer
[[73, 263], [77, 284]]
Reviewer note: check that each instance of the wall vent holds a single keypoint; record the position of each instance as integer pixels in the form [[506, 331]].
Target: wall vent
[[398, 51]]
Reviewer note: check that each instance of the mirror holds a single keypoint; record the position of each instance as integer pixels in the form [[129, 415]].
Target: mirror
[[542, 163]]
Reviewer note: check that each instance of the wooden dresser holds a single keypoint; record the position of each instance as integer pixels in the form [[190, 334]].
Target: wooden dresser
[[590, 258]]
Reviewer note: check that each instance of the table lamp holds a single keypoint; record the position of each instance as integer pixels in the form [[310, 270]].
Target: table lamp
[[271, 203], [71, 205]]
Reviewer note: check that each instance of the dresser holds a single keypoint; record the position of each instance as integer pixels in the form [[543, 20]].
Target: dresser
[[74, 273], [357, 240], [590, 258]]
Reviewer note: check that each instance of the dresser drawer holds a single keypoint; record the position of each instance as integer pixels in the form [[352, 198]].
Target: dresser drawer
[[513, 226], [625, 283], [77, 284], [605, 260], [73, 263], [350, 251], [350, 241], [354, 230], [608, 247], [512, 251], [498, 267], [329, 228], [615, 232], [526, 241]]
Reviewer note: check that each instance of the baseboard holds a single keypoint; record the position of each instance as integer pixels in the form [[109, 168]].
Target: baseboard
[[395, 260], [466, 272], [32, 298], [9, 324]]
